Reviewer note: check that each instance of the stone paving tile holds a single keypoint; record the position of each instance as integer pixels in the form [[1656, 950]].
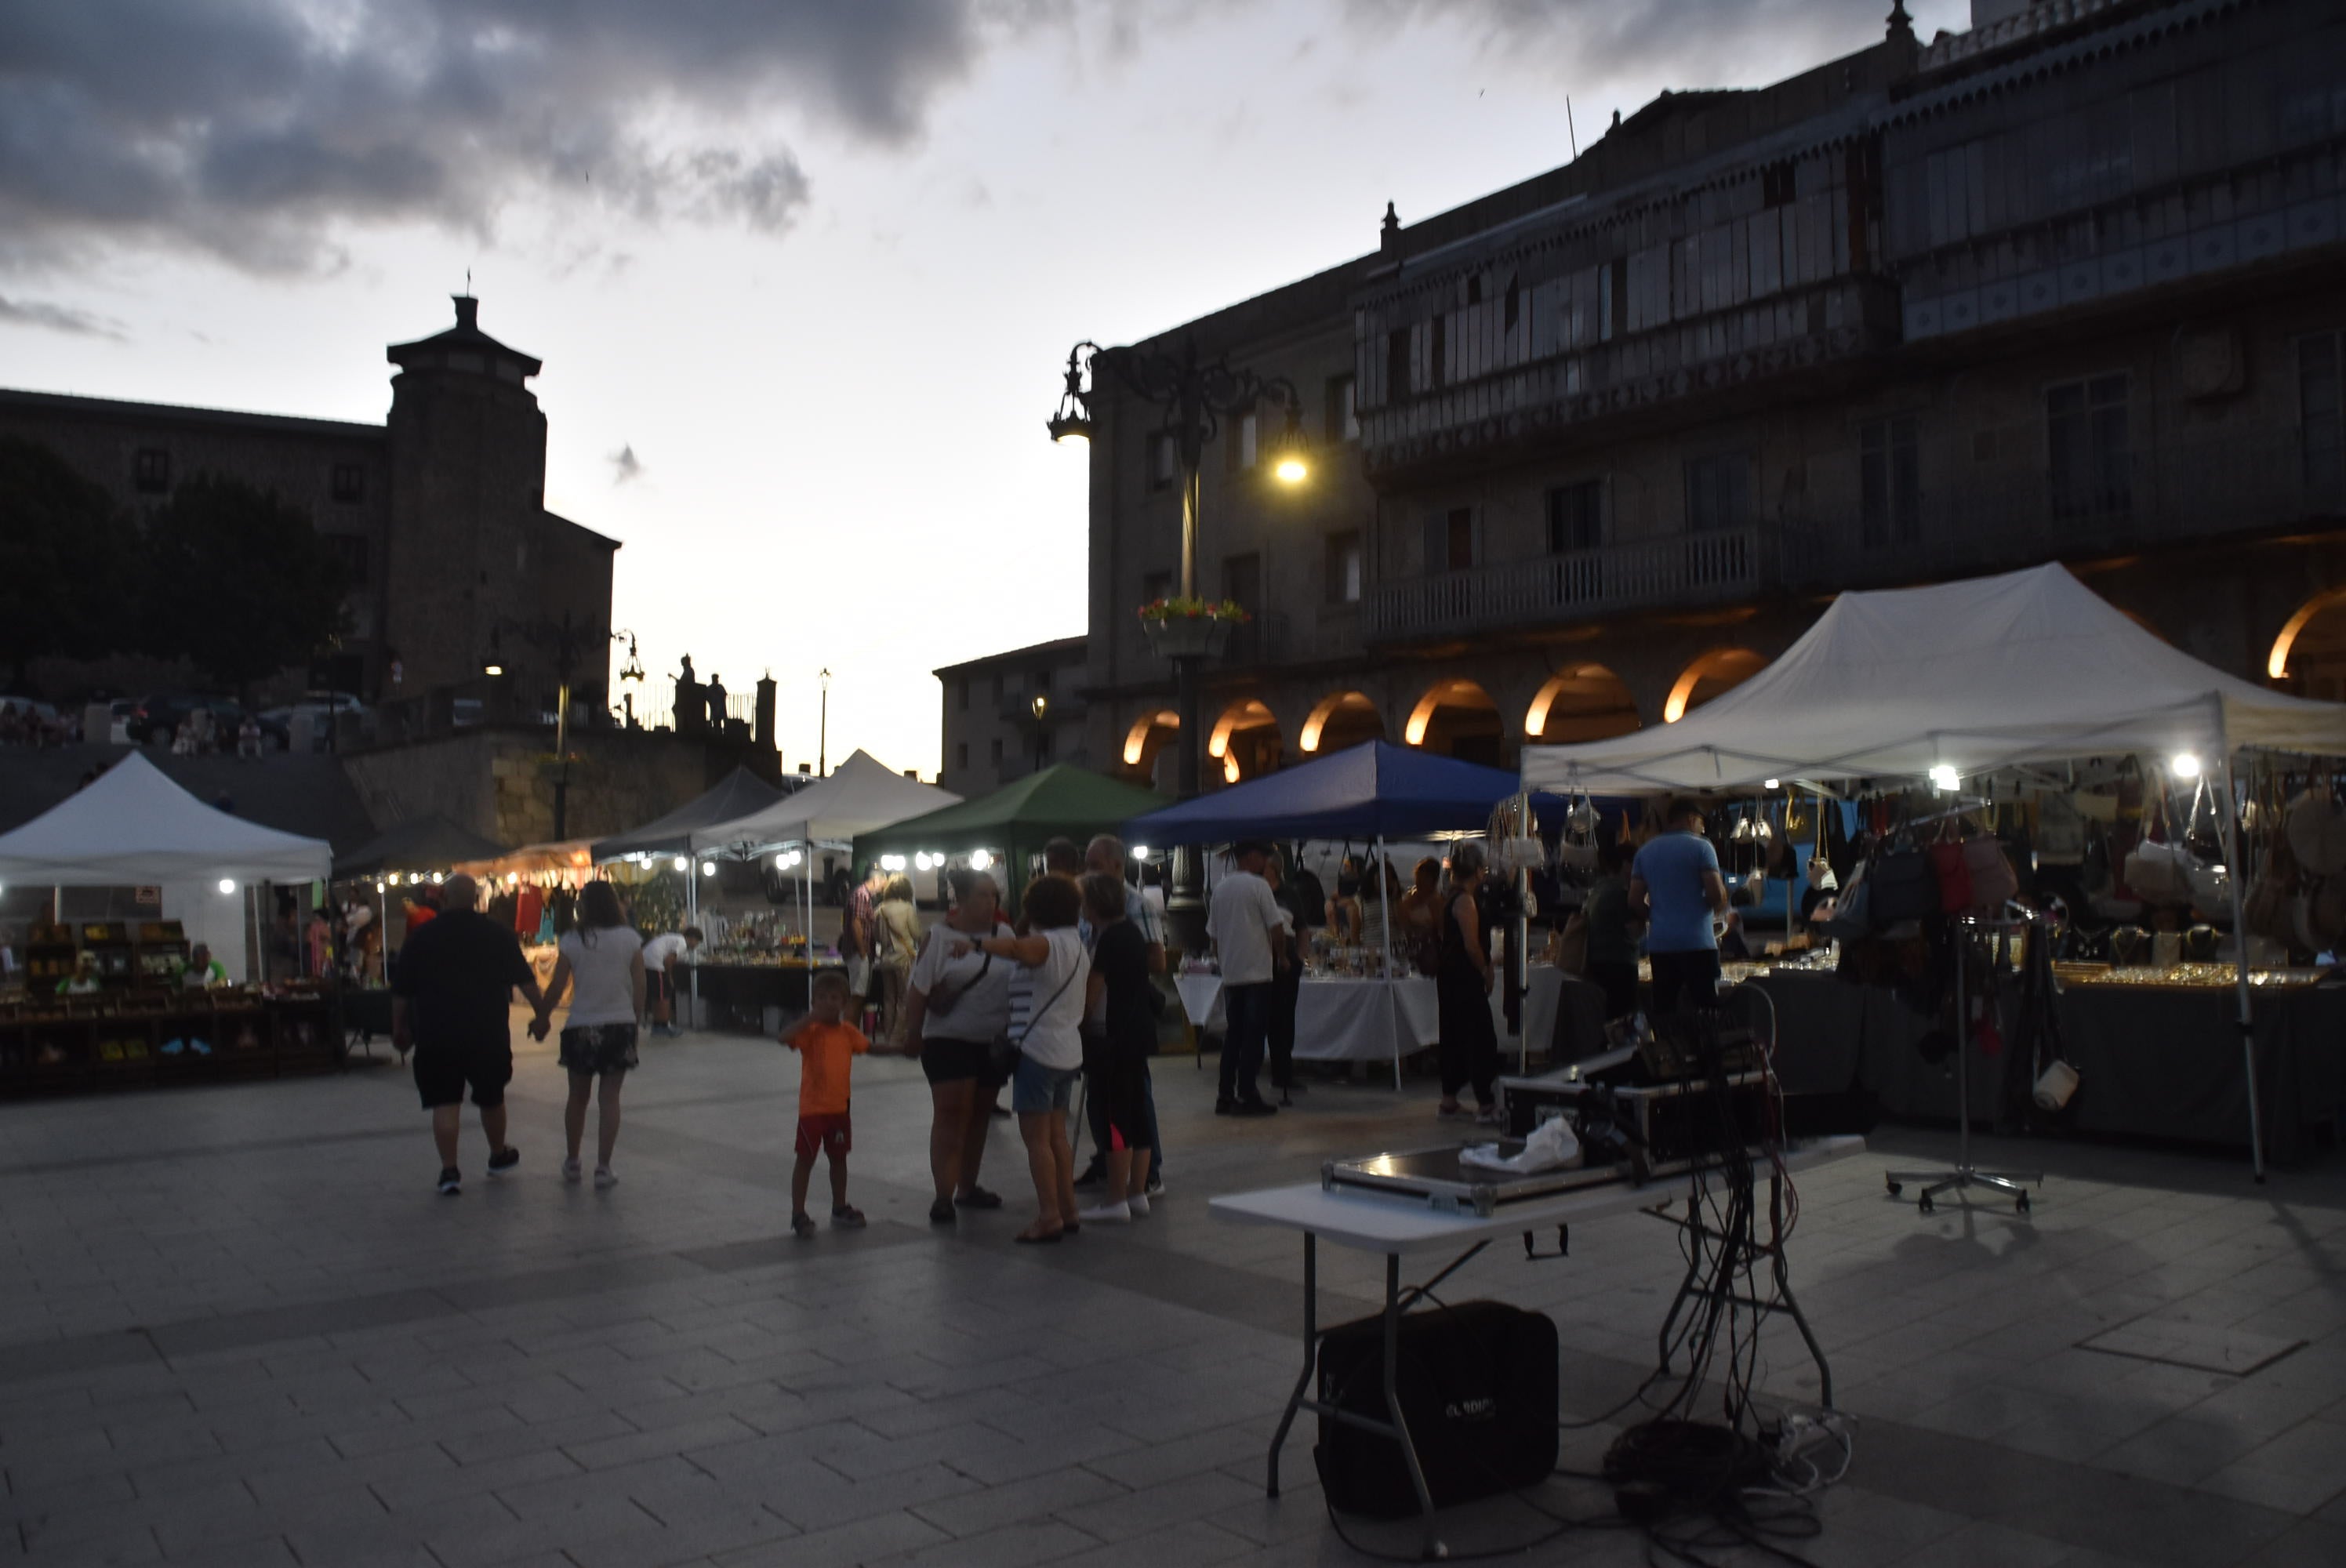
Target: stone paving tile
[[226, 1342]]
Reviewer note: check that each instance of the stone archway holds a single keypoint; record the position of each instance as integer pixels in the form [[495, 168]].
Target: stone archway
[[1581, 702], [1458, 718], [1246, 741], [2309, 656], [1720, 671], [1340, 720], [1145, 742]]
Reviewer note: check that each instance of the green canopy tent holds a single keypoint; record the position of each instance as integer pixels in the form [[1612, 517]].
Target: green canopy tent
[[1017, 821]]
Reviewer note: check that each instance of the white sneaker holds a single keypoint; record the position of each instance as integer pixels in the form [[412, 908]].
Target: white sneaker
[[570, 1171], [603, 1176], [1139, 1205], [1107, 1213]]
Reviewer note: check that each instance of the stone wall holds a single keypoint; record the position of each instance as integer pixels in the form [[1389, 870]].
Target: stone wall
[[500, 782]]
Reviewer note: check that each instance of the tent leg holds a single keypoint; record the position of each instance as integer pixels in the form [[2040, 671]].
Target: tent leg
[[2240, 952], [692, 916], [1385, 919]]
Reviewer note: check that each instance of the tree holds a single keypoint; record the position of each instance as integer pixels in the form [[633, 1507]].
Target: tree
[[239, 583], [69, 570]]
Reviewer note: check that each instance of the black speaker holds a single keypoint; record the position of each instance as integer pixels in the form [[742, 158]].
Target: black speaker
[[1478, 1390]]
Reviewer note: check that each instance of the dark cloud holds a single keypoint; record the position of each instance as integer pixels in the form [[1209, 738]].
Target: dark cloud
[[55, 318], [252, 129]]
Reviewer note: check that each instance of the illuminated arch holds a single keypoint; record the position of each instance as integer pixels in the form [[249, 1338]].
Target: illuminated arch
[[1582, 702], [1343, 720], [1246, 740], [1458, 718], [1719, 670], [2277, 662], [1149, 732]]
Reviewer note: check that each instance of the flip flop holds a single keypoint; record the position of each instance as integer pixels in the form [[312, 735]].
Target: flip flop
[[1048, 1237]]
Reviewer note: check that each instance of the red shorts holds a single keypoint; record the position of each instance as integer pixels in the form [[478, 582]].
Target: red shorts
[[828, 1133]]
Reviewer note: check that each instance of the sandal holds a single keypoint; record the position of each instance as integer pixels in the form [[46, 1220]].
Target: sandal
[[978, 1197], [940, 1211], [1025, 1238]]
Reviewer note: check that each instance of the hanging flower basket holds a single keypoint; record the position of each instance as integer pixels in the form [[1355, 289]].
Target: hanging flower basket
[[1190, 628]]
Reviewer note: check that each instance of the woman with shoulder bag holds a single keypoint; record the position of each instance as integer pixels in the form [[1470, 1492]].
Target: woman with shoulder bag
[[955, 1008], [1048, 968]]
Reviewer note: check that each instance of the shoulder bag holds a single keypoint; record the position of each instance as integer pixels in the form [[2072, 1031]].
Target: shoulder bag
[[1003, 1056]]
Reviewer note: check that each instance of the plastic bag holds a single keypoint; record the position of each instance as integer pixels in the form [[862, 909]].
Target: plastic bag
[[1551, 1147]]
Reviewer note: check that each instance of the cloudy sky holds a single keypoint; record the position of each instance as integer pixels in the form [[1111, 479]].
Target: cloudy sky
[[802, 271]]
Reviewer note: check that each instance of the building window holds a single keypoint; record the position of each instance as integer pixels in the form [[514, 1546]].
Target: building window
[[962, 692], [1343, 583], [350, 481], [997, 749], [1155, 586], [351, 550], [1576, 517], [1343, 411], [1245, 437], [2088, 466], [150, 470], [961, 754], [1451, 540], [1890, 483], [1718, 492], [998, 689], [1437, 349], [1242, 580], [2322, 411], [1161, 464]]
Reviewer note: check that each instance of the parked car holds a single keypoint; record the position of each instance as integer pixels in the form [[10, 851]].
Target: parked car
[[156, 719], [322, 708]]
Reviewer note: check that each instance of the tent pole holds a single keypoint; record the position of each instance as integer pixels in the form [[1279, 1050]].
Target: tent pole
[[1519, 963], [2238, 877], [1385, 918], [692, 916]]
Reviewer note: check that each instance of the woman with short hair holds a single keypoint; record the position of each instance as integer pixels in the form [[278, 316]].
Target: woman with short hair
[[603, 957], [1047, 991], [897, 922], [955, 1008], [1117, 1051]]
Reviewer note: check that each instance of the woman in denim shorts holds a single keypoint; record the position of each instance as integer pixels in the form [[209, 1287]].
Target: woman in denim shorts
[[605, 957], [1047, 1015]]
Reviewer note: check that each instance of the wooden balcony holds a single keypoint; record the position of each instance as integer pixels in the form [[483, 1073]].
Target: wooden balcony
[[1692, 569]]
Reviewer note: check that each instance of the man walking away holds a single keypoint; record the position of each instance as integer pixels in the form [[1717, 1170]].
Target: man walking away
[[1675, 887], [451, 997], [1246, 925]]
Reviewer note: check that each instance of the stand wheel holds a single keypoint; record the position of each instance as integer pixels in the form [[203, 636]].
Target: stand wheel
[[2021, 1203], [1894, 1187], [1922, 1204]]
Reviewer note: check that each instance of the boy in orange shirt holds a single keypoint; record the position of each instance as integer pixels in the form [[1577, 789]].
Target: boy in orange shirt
[[827, 1049]]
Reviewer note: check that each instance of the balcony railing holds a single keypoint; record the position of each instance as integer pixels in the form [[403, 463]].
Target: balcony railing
[[1691, 569]]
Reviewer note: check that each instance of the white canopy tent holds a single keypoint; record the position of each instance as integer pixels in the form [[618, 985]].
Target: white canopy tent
[[2028, 667], [1986, 673], [135, 827]]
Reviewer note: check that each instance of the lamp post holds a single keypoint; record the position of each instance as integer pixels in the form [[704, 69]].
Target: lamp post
[[1194, 396], [822, 732], [569, 643]]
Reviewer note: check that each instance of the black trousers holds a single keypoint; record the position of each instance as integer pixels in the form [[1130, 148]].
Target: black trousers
[[1683, 980], [1249, 1011], [1279, 1032], [1619, 983]]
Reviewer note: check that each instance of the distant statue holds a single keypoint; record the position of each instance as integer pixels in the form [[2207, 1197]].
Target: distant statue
[[716, 701], [690, 712]]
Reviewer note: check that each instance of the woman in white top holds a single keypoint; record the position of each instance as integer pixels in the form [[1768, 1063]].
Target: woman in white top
[[605, 957], [1047, 1015], [955, 1010]]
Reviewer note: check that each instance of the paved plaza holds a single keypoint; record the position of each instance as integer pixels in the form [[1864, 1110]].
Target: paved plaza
[[237, 1325]]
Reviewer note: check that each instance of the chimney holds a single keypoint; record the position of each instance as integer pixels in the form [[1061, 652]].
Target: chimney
[[468, 313], [764, 732], [1388, 234]]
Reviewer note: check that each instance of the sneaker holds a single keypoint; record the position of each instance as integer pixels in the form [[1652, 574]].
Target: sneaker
[[1253, 1108], [1155, 1185], [570, 1170], [1139, 1205], [802, 1224], [1094, 1176], [503, 1160], [1225, 1107], [848, 1218], [603, 1176], [1106, 1214], [1489, 1116], [451, 1182]]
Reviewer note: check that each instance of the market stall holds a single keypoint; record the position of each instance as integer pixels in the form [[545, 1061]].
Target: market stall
[[112, 1003], [1015, 821], [2007, 681], [741, 794], [1339, 1018], [861, 796], [1375, 792]]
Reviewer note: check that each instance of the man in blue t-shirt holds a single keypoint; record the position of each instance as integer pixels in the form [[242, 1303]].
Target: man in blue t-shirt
[[1675, 887]]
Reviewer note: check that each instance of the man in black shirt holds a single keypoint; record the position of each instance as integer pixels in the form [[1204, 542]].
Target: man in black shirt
[[452, 995]]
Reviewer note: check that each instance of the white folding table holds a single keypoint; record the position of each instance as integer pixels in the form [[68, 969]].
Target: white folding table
[[1398, 1227]]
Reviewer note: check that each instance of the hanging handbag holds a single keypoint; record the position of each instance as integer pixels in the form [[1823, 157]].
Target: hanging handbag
[[1904, 886], [2159, 874], [1852, 910], [1949, 865], [1988, 875]]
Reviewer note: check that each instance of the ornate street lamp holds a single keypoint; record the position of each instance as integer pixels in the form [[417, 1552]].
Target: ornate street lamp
[[1194, 396]]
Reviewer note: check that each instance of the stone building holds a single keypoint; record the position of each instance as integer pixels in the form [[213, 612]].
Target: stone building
[[1590, 450], [439, 515], [1013, 714]]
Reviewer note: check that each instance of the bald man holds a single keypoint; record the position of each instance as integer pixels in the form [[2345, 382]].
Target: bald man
[[453, 996]]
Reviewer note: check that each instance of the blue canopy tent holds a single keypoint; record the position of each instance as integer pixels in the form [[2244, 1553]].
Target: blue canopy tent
[[1374, 790]]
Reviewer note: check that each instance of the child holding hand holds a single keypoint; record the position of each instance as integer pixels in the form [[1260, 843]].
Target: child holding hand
[[827, 1049]]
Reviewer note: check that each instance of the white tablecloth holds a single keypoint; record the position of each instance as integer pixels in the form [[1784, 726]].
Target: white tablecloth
[[1350, 1020]]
